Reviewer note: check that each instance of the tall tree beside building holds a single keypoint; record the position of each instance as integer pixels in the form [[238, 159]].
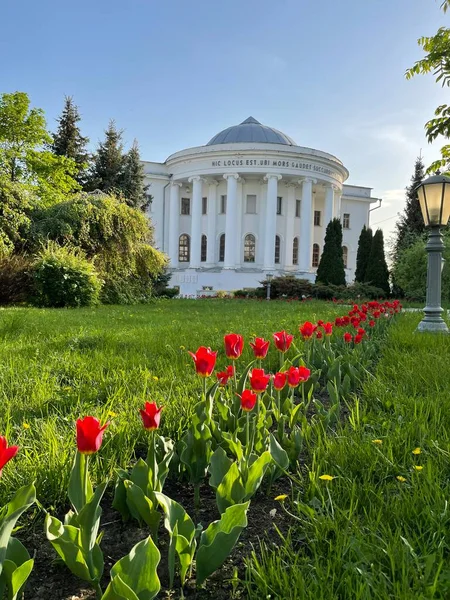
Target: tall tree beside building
[[363, 253], [377, 272], [109, 161], [133, 178], [331, 266], [68, 141]]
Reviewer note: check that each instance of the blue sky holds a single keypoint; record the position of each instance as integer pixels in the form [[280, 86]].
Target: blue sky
[[175, 72]]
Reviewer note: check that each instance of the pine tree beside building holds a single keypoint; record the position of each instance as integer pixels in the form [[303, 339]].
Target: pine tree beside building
[[331, 266], [68, 141], [377, 272], [132, 180], [109, 162], [363, 253]]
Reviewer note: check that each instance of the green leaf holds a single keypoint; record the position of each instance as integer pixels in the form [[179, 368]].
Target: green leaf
[[20, 502], [217, 542], [88, 521], [218, 467], [234, 444], [15, 576], [120, 495], [76, 483], [137, 570], [256, 473], [119, 590], [231, 490], [279, 456], [141, 507], [141, 475]]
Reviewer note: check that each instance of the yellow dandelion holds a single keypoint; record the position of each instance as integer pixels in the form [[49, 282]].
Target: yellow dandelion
[[25, 425], [416, 451], [155, 378], [377, 442], [418, 467], [326, 477], [281, 497], [182, 348], [112, 414], [400, 478]]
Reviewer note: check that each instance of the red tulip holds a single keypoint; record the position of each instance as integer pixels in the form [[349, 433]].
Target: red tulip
[[224, 376], [328, 328], [6, 453], [361, 332], [259, 380], [372, 323], [279, 381], [248, 400], [260, 347], [338, 322], [282, 340], [348, 338], [297, 375], [89, 435], [205, 361], [319, 334], [234, 344], [151, 416], [307, 330], [358, 339]]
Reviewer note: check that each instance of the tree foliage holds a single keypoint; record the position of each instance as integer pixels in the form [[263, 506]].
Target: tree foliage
[[109, 161], [363, 253], [377, 272], [132, 181], [331, 268]]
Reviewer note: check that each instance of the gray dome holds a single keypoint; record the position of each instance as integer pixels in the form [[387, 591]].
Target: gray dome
[[251, 130]]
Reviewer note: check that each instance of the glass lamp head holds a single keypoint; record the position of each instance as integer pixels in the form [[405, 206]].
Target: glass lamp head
[[434, 199]]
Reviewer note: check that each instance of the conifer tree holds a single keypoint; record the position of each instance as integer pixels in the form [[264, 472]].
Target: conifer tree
[[410, 225], [68, 141], [109, 161], [363, 253], [377, 272], [132, 180], [331, 266]]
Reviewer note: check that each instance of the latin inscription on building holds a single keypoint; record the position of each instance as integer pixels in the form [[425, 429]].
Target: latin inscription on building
[[271, 163]]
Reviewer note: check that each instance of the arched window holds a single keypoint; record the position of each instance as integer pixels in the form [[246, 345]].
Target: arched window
[[203, 248], [184, 248], [316, 255], [277, 249], [295, 251], [249, 248], [345, 255], [222, 248]]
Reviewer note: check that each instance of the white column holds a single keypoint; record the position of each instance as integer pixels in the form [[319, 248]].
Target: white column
[[337, 201], [329, 206], [239, 251], [196, 221], [289, 230], [230, 221], [211, 220], [270, 221], [174, 222], [306, 224]]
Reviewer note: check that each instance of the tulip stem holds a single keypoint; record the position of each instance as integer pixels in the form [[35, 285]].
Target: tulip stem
[[281, 360], [98, 591], [85, 477], [153, 461], [248, 433]]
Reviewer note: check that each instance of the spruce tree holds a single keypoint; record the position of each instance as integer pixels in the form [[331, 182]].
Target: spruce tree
[[410, 224], [363, 253], [377, 273], [68, 141], [132, 180], [109, 162], [331, 266]]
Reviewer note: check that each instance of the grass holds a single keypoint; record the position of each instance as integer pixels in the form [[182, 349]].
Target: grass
[[57, 365], [366, 534]]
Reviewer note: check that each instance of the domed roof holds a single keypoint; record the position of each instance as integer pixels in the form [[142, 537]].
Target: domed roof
[[251, 130]]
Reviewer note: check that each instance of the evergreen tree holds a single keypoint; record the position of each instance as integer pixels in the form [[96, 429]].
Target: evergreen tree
[[331, 266], [68, 141], [410, 225], [363, 253], [377, 273], [132, 180], [109, 161]]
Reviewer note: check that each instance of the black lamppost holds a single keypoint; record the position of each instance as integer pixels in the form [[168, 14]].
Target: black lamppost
[[269, 278], [434, 198]]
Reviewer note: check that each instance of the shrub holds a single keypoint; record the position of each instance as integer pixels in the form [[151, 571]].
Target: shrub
[[64, 277], [287, 285], [16, 280], [362, 291]]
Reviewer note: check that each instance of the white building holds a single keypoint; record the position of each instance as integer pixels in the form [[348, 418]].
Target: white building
[[251, 202]]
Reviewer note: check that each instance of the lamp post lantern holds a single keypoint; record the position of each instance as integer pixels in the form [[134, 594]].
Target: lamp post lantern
[[434, 198], [269, 278]]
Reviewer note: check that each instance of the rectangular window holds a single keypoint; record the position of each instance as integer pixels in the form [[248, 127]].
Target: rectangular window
[[279, 205], [317, 218], [223, 204], [204, 206], [185, 206], [346, 221], [297, 208], [251, 204]]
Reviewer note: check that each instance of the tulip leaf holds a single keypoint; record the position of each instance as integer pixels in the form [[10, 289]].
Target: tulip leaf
[[77, 495], [234, 444], [243, 378], [17, 567], [119, 590], [231, 490], [136, 572], [140, 475], [21, 501], [218, 467], [279, 456], [141, 507], [120, 495], [256, 473], [66, 540], [219, 539]]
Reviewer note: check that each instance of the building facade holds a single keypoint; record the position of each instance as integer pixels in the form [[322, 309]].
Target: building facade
[[249, 203]]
